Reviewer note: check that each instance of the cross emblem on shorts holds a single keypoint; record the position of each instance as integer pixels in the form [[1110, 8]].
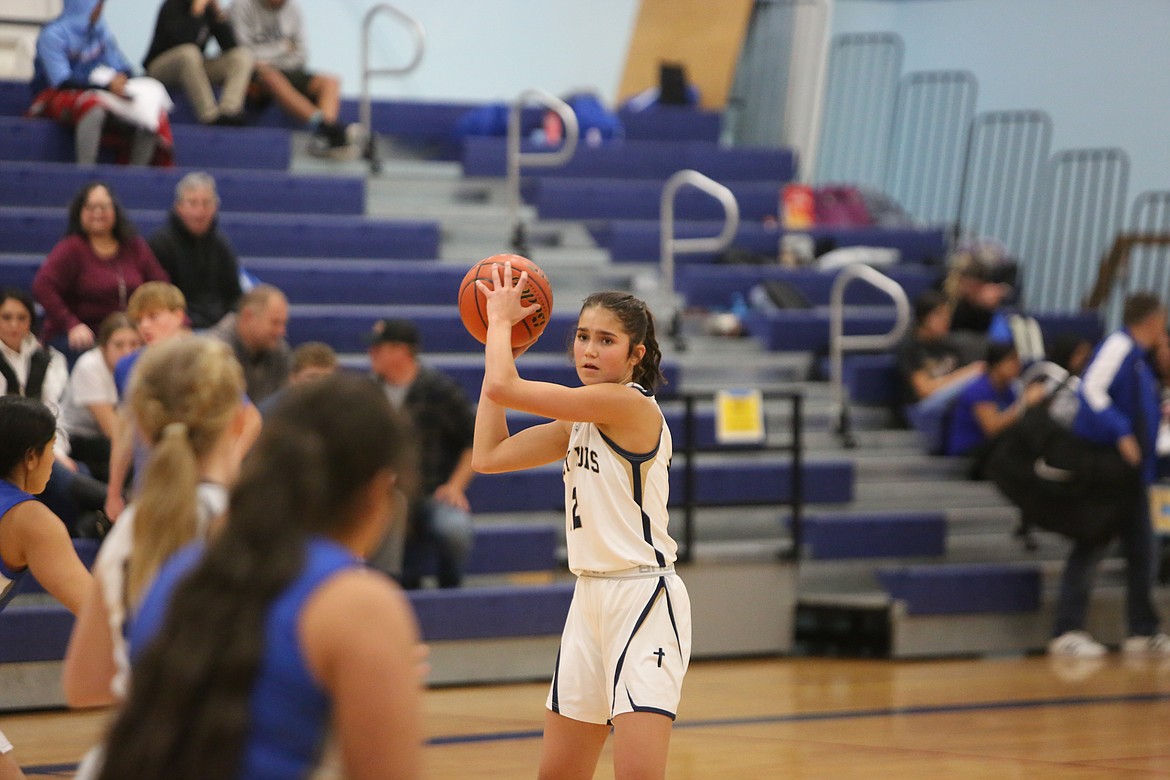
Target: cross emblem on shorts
[[660, 655]]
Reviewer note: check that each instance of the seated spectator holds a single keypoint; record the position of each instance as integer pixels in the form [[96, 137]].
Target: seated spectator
[[92, 271], [196, 255], [177, 57], [32, 540], [932, 368], [275, 32], [440, 515], [978, 285], [89, 408], [990, 404], [256, 333], [309, 361], [159, 312], [27, 368], [82, 79]]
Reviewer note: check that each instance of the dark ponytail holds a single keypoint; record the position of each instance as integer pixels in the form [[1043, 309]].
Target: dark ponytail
[[638, 323], [188, 712]]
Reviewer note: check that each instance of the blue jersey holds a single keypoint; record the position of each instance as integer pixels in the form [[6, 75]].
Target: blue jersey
[[289, 710], [10, 496]]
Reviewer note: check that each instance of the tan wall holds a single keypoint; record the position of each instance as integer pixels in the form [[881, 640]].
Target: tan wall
[[704, 35]]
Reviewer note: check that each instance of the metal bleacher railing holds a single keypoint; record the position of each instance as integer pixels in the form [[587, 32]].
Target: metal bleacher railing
[[670, 245], [840, 343], [518, 159], [691, 451], [365, 111]]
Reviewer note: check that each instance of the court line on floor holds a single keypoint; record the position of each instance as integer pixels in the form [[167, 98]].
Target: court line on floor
[[803, 717]]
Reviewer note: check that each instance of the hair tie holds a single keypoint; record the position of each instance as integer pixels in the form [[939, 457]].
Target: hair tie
[[175, 429]]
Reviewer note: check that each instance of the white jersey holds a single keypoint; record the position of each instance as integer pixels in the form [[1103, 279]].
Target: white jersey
[[615, 502], [109, 571]]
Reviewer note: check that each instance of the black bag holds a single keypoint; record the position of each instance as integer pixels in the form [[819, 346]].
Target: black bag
[[1061, 482], [777, 294]]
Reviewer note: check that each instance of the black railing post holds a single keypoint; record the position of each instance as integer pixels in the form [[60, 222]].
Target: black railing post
[[797, 476]]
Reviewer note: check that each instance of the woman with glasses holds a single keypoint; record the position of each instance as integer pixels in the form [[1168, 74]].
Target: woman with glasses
[[93, 269]]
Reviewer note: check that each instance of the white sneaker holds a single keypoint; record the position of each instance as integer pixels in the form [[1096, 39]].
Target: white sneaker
[[1076, 643], [1158, 644]]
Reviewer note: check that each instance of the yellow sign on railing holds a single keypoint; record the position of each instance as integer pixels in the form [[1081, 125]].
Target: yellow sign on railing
[[739, 416]]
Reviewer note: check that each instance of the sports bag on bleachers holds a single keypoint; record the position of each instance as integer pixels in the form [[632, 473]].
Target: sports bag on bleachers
[[1060, 482]]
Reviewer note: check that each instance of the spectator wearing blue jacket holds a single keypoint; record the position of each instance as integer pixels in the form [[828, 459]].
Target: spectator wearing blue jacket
[[990, 404], [78, 59], [1119, 406]]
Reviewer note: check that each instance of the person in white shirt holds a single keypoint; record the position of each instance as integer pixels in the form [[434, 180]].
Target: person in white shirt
[[28, 368], [89, 408]]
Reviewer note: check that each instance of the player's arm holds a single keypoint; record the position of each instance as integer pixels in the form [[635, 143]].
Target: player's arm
[[89, 666], [121, 454], [362, 645], [43, 544], [494, 450]]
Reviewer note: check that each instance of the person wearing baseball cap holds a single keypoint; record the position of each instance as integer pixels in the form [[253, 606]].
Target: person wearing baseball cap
[[439, 524]]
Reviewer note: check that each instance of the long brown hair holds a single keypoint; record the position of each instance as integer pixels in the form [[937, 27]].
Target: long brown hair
[[188, 712], [638, 323]]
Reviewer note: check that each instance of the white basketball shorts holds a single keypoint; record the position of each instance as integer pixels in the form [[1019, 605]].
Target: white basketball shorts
[[625, 647]]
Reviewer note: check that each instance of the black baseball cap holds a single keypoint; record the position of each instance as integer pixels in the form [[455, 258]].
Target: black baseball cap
[[392, 331]]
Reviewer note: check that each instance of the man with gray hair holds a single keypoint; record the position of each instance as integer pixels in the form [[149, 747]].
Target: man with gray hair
[[256, 333], [198, 257]]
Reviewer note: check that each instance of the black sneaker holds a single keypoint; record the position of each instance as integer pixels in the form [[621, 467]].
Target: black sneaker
[[330, 140]]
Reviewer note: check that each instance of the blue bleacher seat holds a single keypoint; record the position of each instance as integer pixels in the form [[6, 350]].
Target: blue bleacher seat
[[34, 632], [964, 588], [638, 240], [440, 327], [713, 285], [581, 198], [672, 123], [40, 184], [875, 535], [807, 330], [369, 282], [485, 156], [492, 612], [268, 235], [723, 482], [196, 146]]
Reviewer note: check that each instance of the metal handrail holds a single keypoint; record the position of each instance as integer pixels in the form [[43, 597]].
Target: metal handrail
[[518, 159], [839, 343], [365, 112], [669, 245]]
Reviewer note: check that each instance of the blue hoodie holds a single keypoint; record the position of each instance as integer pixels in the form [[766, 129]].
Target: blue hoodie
[[69, 48]]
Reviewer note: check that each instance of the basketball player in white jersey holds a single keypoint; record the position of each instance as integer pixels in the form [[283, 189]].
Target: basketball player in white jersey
[[627, 638]]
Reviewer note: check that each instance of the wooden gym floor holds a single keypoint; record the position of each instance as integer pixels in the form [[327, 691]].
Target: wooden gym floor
[[804, 718]]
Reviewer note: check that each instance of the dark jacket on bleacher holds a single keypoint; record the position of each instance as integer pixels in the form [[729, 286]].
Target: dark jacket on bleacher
[[176, 26], [204, 267]]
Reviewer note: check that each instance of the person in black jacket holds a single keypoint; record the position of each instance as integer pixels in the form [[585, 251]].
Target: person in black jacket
[[176, 58], [196, 255]]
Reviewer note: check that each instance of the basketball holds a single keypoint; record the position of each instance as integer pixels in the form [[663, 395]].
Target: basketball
[[473, 303]]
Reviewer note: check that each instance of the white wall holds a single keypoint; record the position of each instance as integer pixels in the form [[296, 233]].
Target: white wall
[[1100, 68], [476, 49]]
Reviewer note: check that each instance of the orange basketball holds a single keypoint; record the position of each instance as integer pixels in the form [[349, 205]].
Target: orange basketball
[[473, 303]]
